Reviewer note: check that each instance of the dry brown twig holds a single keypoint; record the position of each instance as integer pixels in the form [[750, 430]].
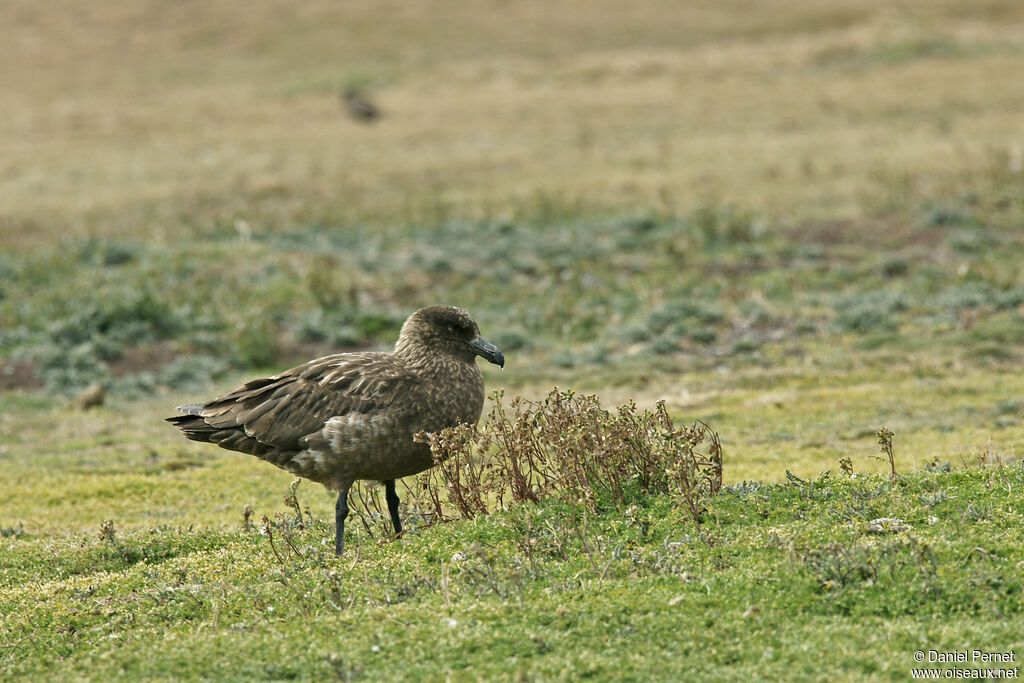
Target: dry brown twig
[[567, 446]]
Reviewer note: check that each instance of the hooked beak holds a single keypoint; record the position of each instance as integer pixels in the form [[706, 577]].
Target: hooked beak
[[488, 351]]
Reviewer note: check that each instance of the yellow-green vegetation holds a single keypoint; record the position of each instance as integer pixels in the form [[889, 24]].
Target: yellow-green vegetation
[[784, 581], [798, 222]]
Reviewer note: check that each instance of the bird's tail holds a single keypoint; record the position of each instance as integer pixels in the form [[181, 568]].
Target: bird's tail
[[191, 422], [191, 409]]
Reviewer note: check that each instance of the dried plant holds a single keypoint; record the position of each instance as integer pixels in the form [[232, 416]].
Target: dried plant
[[885, 443], [567, 446], [367, 505], [291, 499], [846, 465], [109, 534], [247, 518]]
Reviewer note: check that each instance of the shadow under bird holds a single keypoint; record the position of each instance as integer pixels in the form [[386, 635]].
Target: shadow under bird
[[353, 416]]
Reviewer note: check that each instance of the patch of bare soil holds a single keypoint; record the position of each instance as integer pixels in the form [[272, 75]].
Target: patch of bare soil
[[18, 374], [139, 358], [875, 232]]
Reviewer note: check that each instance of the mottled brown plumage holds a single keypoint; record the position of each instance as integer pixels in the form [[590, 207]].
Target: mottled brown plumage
[[352, 416]]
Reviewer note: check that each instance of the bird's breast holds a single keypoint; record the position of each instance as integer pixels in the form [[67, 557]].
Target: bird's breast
[[453, 397]]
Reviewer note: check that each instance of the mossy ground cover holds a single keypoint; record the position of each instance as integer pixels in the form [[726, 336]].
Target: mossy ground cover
[[781, 580], [798, 224]]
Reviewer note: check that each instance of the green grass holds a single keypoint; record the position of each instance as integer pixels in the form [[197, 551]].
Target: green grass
[[571, 293], [798, 222], [540, 591]]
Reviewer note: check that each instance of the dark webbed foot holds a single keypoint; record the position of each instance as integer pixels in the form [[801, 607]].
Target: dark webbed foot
[[391, 496]]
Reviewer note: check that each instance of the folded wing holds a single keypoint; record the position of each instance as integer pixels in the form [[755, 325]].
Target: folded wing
[[270, 417]]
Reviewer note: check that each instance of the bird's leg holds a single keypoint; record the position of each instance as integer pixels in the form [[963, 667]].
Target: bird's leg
[[392, 498], [340, 513]]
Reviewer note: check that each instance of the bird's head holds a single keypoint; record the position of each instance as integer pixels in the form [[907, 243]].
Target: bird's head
[[449, 330]]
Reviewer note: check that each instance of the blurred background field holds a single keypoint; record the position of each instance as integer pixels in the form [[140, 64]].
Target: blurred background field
[[797, 221]]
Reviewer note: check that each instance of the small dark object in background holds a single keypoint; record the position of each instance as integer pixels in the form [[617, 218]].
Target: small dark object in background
[[92, 397], [359, 106]]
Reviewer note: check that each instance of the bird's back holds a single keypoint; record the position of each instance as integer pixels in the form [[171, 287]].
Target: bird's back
[[342, 417]]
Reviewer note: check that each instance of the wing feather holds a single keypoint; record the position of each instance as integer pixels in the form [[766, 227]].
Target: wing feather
[[277, 412]]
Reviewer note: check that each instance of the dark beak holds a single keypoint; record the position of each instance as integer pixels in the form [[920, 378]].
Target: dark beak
[[488, 351]]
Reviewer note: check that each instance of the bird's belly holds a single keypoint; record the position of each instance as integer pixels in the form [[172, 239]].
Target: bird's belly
[[401, 462], [355, 447]]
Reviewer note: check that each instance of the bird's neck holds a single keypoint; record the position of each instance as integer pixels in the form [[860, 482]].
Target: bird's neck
[[428, 363]]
